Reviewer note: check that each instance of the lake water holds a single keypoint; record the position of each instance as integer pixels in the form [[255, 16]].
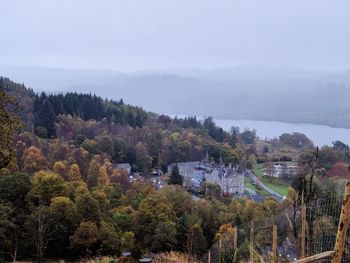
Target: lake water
[[319, 134]]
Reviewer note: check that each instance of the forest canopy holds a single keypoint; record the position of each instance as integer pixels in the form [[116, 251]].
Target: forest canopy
[[63, 191]]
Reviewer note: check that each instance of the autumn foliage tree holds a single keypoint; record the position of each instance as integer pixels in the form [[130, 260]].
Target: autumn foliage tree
[[71, 199], [34, 160], [8, 122], [93, 173], [61, 169], [85, 238], [103, 178], [74, 173]]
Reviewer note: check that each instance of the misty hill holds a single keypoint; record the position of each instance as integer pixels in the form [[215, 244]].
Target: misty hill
[[245, 92]]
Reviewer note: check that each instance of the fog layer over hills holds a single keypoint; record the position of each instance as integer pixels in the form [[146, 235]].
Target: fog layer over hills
[[245, 92]]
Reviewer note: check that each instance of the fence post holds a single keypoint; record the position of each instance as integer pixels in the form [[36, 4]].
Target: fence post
[[343, 226], [303, 231], [235, 234], [274, 244], [251, 244], [209, 256]]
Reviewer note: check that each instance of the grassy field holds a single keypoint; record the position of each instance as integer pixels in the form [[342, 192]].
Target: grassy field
[[258, 191], [258, 169], [248, 184], [276, 185], [248, 180], [273, 182]]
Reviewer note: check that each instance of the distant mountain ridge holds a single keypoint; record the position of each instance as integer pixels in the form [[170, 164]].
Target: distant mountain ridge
[[245, 92]]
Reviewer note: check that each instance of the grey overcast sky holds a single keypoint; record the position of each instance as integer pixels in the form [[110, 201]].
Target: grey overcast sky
[[159, 34]]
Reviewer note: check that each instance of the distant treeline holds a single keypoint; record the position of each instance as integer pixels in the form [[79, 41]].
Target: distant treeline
[[84, 106], [8, 85], [45, 108], [191, 122]]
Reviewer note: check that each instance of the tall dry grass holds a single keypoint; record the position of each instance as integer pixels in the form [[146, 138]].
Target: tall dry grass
[[174, 257]]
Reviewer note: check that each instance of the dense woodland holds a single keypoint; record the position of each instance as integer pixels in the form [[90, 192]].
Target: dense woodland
[[61, 192]]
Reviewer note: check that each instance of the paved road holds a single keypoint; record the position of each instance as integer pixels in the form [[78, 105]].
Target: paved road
[[257, 181], [251, 191]]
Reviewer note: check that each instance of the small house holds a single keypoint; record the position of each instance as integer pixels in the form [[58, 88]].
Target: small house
[[125, 166]]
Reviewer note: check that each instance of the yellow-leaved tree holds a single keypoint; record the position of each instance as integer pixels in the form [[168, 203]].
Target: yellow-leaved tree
[[8, 122]]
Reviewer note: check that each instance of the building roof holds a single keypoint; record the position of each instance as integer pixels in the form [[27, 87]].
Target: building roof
[[184, 164], [124, 165]]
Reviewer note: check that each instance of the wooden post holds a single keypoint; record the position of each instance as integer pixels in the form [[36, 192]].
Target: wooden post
[[315, 258], [251, 244], [235, 234], [343, 226], [303, 231], [209, 256], [274, 244]]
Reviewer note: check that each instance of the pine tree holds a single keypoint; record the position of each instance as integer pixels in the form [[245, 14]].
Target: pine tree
[[46, 118], [175, 177]]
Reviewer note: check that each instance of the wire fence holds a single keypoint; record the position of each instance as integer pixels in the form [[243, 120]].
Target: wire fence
[[298, 232]]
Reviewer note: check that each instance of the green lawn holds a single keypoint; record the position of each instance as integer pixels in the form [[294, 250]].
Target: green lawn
[[257, 190], [247, 180], [272, 182], [276, 185], [258, 169], [250, 186]]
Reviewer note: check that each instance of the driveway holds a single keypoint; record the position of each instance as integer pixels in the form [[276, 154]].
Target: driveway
[[257, 181]]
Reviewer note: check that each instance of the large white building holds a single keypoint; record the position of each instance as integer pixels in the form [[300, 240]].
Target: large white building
[[230, 178]]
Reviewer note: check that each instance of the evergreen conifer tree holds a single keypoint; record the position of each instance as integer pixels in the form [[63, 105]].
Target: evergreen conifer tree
[[175, 177], [46, 118]]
